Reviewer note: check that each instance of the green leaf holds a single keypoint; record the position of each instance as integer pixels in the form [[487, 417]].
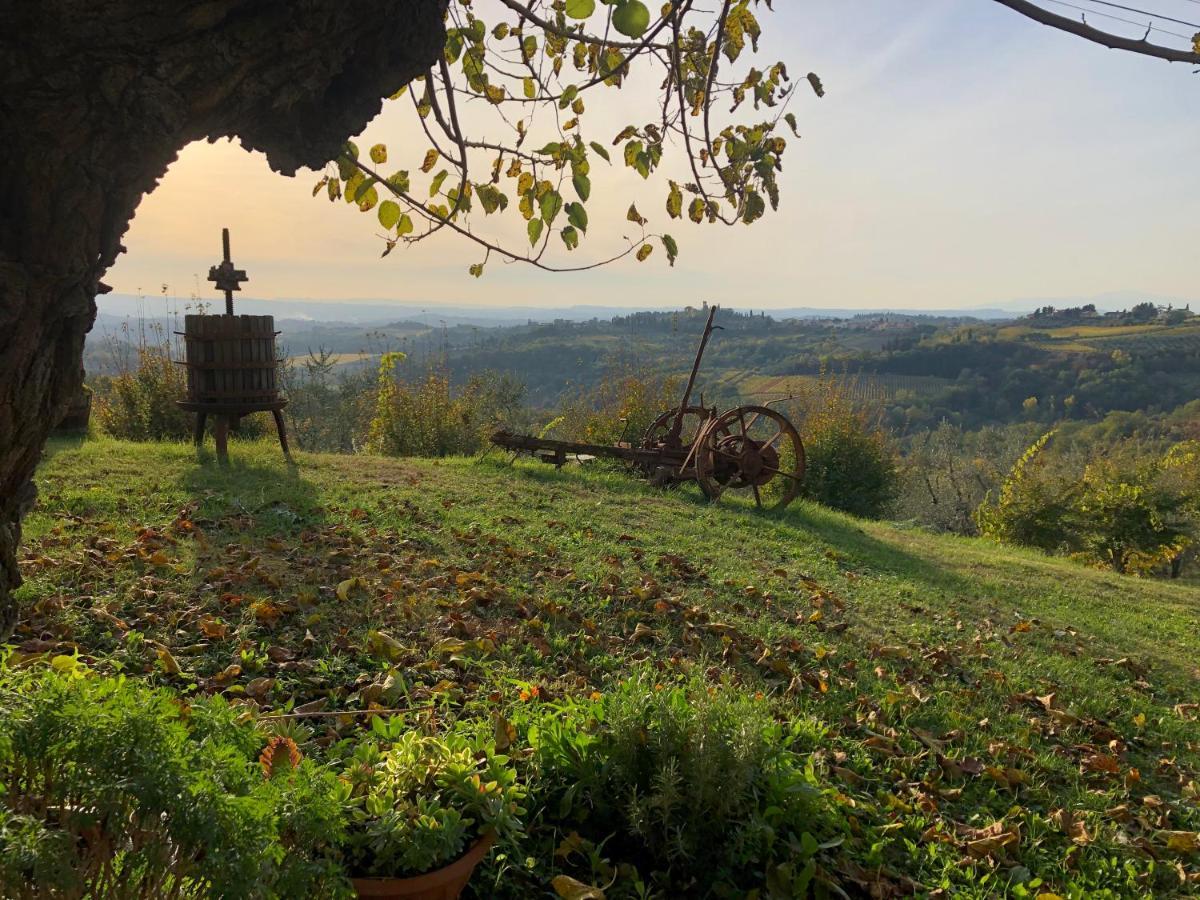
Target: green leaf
[[634, 216], [577, 216], [569, 94], [476, 270], [675, 202], [436, 184], [580, 9], [379, 153], [790, 118], [389, 214], [405, 225], [454, 45], [600, 151], [583, 186], [535, 231], [696, 211], [631, 18], [633, 149], [570, 237], [815, 81], [367, 199], [550, 205], [399, 180], [530, 88], [755, 207], [671, 247], [644, 252]]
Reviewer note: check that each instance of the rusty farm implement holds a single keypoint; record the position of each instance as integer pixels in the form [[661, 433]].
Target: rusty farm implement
[[753, 450]]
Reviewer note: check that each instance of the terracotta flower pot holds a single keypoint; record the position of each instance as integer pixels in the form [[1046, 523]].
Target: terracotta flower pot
[[445, 883]]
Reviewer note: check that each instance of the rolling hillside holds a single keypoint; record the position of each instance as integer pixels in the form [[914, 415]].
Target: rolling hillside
[[981, 720]]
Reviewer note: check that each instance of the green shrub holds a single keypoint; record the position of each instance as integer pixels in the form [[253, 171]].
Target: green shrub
[[1035, 506], [1128, 518], [851, 463], [622, 404], [112, 789], [419, 803], [699, 787], [427, 417], [329, 408], [138, 403]]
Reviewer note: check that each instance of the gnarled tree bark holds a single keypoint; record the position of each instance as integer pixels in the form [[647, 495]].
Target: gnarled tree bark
[[96, 99]]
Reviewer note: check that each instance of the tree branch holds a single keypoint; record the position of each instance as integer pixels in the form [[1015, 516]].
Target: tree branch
[[420, 208], [1087, 32]]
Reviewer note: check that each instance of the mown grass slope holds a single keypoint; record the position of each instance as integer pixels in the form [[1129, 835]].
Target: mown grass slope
[[986, 721]]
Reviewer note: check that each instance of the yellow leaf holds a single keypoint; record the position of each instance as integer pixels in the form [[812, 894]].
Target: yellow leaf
[[570, 889], [642, 632], [505, 733], [167, 661], [213, 628], [1140, 720], [159, 558], [1182, 841], [344, 588], [265, 611], [380, 643]]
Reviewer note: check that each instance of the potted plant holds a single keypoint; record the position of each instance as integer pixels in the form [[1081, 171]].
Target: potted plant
[[423, 811]]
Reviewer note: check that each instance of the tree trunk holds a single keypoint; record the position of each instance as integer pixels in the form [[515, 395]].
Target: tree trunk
[[96, 100]]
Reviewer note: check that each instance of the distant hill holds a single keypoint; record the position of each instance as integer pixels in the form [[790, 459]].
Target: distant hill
[[434, 314]]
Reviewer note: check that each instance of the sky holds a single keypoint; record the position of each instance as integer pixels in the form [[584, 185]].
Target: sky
[[962, 156]]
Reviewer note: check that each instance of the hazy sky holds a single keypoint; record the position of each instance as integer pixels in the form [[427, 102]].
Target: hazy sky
[[962, 155]]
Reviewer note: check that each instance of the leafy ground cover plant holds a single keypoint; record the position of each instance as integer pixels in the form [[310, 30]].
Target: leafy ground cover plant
[[698, 786], [109, 788], [418, 801]]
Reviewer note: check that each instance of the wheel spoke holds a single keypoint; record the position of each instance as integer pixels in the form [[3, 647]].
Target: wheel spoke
[[771, 442], [781, 472]]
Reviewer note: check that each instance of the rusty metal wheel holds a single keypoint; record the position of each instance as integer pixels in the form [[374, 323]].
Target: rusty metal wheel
[[694, 420], [753, 449]]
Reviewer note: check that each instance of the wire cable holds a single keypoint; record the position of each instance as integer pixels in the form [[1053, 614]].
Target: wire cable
[[1143, 12], [1150, 26]]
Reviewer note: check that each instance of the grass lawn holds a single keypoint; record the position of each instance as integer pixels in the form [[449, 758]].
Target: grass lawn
[[986, 721]]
